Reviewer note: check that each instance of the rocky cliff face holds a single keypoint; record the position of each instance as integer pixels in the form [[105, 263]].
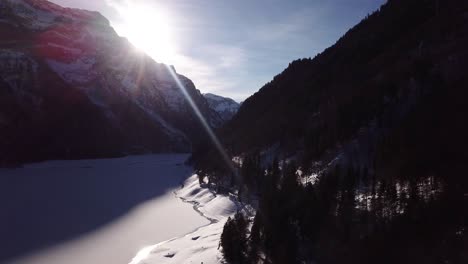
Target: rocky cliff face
[[225, 107], [71, 88]]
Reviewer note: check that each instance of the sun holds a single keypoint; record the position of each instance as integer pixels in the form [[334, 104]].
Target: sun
[[150, 30]]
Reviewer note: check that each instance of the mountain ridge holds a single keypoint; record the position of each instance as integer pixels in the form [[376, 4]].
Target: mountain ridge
[[362, 158], [307, 90], [135, 99], [224, 106]]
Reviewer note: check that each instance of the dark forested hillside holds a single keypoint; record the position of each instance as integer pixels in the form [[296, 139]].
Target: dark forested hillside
[[404, 46], [371, 142]]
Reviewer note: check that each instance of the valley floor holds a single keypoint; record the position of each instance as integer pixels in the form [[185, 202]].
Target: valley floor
[[63, 194], [202, 245]]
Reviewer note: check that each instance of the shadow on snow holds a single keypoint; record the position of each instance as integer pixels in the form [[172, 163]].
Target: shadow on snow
[[46, 203]]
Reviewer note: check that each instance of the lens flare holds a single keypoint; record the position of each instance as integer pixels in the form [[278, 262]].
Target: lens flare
[[150, 29], [202, 119]]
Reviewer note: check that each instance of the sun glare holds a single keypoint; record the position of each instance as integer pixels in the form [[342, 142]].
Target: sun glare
[[149, 30], [142, 254]]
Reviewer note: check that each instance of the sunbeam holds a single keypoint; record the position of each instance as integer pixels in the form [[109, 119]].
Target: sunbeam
[[202, 119]]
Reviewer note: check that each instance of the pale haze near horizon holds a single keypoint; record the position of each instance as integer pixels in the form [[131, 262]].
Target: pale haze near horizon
[[230, 48]]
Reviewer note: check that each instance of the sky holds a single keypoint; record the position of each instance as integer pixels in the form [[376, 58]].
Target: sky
[[230, 48]]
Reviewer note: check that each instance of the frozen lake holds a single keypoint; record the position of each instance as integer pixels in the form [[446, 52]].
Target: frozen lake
[[92, 211]]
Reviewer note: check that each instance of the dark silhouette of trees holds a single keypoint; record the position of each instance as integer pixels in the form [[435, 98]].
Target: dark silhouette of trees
[[338, 220], [251, 171], [234, 239], [391, 78]]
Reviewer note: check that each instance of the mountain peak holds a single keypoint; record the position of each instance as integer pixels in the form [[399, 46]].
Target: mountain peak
[[42, 14], [85, 89], [225, 107]]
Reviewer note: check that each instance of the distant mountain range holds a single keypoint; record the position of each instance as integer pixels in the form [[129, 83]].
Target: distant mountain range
[[225, 107], [70, 87]]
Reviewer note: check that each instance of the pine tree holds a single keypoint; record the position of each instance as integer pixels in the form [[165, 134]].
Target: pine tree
[[255, 239], [234, 239], [201, 178]]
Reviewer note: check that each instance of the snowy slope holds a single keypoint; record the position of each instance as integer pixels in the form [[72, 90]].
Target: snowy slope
[[225, 107], [200, 246]]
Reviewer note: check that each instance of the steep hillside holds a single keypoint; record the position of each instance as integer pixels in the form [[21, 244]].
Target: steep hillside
[[379, 70], [358, 155], [225, 107], [71, 88]]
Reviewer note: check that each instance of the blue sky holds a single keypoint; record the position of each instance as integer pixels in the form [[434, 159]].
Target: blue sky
[[231, 48]]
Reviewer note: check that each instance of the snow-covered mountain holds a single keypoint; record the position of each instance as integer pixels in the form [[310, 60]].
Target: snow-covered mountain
[[225, 107], [71, 87]]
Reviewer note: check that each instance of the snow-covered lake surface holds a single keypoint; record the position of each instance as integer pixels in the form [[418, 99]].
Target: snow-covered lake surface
[[106, 211]]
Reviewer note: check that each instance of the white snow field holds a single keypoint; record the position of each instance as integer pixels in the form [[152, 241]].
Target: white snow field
[[200, 246], [107, 211]]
